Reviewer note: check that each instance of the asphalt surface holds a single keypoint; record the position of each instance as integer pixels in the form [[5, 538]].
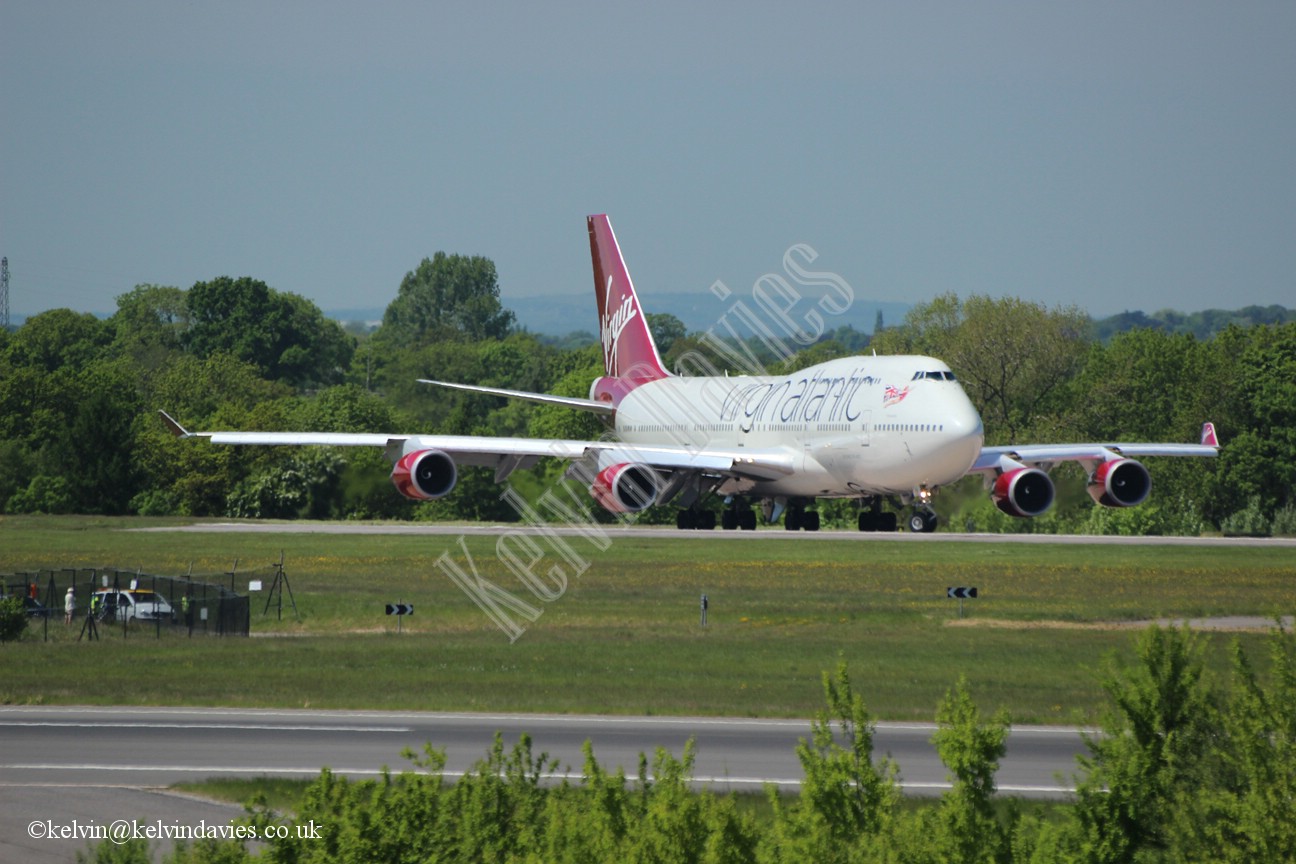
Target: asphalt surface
[[614, 531], [83, 767]]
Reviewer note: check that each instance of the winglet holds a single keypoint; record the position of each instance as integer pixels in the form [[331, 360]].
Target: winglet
[[1209, 438], [176, 429]]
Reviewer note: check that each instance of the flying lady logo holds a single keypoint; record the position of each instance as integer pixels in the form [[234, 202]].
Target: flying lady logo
[[614, 321], [891, 396]]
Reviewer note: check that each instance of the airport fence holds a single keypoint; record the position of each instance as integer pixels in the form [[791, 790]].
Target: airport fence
[[133, 601]]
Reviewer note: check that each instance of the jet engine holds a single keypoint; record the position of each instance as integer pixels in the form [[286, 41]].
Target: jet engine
[[425, 474], [626, 488], [1120, 483], [1023, 492]]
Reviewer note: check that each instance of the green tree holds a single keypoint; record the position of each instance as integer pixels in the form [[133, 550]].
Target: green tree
[[846, 798], [283, 335], [1155, 751], [1259, 456], [58, 338], [1011, 355], [13, 618], [666, 329], [102, 474], [1249, 817], [820, 352], [965, 828], [447, 297], [150, 324]]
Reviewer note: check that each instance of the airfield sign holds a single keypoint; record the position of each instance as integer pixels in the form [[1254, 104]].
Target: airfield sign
[[961, 594]]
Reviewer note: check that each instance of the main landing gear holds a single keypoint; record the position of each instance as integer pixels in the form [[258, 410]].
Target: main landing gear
[[699, 520], [921, 521], [797, 517], [738, 515]]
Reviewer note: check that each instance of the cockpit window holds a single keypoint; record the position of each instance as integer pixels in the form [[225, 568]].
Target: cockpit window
[[934, 376]]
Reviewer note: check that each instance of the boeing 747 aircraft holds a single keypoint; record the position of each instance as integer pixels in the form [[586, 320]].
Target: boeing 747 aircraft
[[870, 428]]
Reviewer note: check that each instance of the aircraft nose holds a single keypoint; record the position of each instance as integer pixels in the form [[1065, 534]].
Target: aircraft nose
[[964, 429]]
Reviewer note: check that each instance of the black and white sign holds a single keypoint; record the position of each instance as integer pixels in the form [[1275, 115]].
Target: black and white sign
[[400, 608], [961, 593]]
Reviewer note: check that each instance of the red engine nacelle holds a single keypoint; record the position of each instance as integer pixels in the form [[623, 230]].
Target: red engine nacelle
[[1120, 483], [626, 488], [425, 474], [1023, 492]]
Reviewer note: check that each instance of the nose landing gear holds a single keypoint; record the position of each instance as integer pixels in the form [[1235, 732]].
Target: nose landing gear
[[922, 521]]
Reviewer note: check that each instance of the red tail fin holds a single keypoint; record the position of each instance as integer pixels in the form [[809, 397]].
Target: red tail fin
[[629, 352]]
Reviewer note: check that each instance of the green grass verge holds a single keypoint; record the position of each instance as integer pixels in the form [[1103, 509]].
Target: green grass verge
[[624, 635]]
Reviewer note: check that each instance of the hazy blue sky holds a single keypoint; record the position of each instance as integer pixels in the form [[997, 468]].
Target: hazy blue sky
[[1116, 155]]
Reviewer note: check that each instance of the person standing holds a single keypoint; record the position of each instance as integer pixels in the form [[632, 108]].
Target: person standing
[[69, 605]]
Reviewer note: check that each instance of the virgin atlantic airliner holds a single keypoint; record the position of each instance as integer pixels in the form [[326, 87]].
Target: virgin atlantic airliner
[[872, 428]]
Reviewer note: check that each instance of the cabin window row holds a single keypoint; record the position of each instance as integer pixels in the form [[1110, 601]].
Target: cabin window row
[[910, 427]]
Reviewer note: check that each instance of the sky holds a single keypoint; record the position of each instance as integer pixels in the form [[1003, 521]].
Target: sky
[[1112, 155]]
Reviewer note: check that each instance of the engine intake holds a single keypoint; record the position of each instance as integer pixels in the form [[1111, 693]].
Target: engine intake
[[1120, 483], [425, 475], [1023, 492], [626, 488]]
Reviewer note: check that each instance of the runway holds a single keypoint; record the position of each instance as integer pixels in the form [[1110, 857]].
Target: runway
[[443, 529], [95, 756]]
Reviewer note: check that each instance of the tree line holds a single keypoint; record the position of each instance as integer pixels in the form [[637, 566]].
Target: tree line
[[79, 394], [1185, 768]]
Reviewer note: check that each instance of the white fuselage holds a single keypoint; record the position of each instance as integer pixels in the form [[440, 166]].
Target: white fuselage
[[855, 426]]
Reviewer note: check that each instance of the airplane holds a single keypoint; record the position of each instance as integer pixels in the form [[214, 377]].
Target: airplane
[[870, 428]]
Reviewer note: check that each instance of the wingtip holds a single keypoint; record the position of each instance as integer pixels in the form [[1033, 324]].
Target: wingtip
[[172, 424], [1208, 436]]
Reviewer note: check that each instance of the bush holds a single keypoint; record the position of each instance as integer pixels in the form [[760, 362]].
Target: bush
[[13, 618], [44, 494], [1284, 522], [1249, 522]]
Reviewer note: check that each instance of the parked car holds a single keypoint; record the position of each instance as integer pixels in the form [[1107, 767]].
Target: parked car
[[133, 605], [35, 608]]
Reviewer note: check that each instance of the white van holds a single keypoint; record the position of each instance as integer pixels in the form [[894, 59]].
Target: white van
[[137, 605]]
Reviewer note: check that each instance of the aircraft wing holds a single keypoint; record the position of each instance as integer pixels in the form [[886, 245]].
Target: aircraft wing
[[1037, 455], [507, 454]]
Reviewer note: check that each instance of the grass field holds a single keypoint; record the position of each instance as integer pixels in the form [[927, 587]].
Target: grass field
[[624, 636]]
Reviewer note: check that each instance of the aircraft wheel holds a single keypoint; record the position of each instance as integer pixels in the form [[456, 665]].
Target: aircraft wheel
[[810, 521], [887, 522], [686, 520], [792, 519], [868, 520], [921, 522], [706, 520], [747, 519], [729, 519]]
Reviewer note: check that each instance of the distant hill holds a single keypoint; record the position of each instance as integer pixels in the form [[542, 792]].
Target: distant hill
[[558, 315], [1203, 325], [563, 314]]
